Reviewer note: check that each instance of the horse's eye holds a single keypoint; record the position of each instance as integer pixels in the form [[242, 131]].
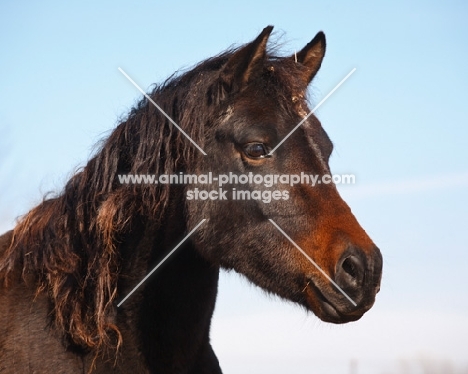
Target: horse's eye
[[255, 150]]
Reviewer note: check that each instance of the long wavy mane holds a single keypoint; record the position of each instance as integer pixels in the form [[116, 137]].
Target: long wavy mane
[[69, 243]]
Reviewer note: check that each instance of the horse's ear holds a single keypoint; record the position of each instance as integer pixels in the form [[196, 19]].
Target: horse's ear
[[311, 56], [245, 63]]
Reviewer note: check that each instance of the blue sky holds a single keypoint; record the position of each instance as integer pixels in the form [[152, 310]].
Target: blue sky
[[399, 124]]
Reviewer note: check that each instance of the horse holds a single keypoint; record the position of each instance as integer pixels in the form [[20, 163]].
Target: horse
[[72, 298]]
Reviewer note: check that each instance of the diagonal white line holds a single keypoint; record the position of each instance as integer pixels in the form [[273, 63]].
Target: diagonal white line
[[312, 111], [162, 261], [313, 262], [162, 111]]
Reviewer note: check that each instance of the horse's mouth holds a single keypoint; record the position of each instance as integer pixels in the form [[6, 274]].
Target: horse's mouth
[[331, 309]]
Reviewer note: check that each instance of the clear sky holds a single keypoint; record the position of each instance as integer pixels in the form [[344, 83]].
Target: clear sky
[[399, 124]]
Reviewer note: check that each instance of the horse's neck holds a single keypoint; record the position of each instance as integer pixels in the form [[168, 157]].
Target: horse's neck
[[171, 312]]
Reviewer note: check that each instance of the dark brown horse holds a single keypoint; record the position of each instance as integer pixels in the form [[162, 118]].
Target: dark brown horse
[[72, 259]]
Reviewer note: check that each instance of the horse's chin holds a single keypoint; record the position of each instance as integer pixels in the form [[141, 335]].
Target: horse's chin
[[332, 308]]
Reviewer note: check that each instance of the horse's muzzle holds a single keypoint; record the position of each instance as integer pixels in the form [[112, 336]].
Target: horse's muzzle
[[357, 274]]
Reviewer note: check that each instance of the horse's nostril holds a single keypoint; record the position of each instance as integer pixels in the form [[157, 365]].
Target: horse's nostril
[[358, 275], [349, 267], [350, 270]]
